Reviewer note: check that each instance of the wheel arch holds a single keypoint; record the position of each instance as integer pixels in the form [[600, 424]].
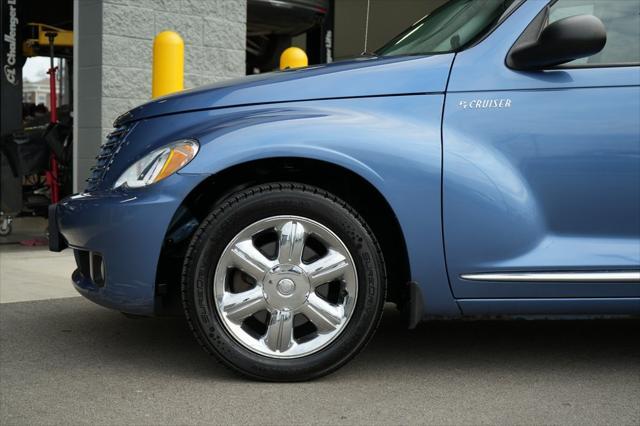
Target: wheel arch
[[348, 185]]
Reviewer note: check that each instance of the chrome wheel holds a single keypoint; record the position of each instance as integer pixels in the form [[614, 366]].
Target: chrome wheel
[[285, 287]]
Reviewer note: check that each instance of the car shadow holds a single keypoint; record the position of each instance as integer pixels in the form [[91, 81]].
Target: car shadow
[[71, 334], [514, 345]]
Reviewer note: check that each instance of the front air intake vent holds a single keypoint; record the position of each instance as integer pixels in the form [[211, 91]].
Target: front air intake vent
[[106, 155]]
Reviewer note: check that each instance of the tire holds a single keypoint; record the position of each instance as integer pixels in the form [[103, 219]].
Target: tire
[[288, 324]]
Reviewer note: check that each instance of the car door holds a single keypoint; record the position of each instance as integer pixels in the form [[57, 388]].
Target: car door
[[541, 169]]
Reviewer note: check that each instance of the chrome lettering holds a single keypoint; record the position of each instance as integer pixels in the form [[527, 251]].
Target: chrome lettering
[[485, 103]]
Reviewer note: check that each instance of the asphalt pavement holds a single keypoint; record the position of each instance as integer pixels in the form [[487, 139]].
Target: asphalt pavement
[[67, 361]]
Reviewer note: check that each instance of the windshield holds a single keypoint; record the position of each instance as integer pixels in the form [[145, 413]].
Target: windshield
[[450, 27]]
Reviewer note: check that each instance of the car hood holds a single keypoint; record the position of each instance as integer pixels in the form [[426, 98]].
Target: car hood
[[356, 78]]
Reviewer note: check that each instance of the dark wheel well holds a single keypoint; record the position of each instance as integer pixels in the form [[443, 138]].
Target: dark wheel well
[[347, 185]]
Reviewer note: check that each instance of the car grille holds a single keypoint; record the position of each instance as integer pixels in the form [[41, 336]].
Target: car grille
[[106, 155]]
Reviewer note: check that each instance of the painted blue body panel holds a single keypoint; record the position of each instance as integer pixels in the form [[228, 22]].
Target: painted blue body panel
[[549, 184], [128, 229], [529, 197]]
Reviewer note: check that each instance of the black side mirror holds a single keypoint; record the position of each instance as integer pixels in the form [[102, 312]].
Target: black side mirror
[[563, 41]]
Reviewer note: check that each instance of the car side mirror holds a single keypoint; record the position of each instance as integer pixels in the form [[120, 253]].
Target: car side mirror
[[563, 41]]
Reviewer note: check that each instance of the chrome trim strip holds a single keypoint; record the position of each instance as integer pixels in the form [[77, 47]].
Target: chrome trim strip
[[595, 276]]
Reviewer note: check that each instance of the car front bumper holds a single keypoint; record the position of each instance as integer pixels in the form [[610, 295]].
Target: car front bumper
[[117, 239]]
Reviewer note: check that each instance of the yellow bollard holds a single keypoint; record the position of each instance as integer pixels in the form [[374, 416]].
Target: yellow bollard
[[293, 57], [168, 64]]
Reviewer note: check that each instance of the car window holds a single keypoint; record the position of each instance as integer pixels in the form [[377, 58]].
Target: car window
[[449, 28], [621, 18]]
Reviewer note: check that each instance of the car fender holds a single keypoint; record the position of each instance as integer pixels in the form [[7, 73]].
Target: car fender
[[392, 142]]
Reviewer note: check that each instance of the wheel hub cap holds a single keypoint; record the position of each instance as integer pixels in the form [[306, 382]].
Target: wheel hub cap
[[304, 303], [286, 287]]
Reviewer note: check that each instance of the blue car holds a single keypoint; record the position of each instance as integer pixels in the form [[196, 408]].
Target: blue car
[[484, 162]]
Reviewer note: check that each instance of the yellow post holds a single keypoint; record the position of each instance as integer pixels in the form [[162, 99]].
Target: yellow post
[[168, 64], [293, 57]]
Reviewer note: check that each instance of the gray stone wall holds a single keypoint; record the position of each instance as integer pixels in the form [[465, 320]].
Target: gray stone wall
[[114, 52]]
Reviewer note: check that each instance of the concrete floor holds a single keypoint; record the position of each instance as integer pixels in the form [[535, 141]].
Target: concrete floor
[[68, 361], [33, 272]]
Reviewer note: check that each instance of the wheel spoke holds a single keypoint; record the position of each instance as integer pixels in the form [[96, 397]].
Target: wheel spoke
[[325, 316], [239, 306], [291, 243], [279, 335], [246, 257], [329, 268]]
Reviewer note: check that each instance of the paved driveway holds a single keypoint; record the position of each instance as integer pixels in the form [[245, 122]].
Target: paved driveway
[[68, 361]]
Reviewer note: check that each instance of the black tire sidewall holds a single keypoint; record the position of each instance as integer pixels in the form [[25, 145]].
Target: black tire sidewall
[[230, 218]]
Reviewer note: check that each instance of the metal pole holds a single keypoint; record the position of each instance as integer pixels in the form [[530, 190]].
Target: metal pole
[[52, 79], [52, 173]]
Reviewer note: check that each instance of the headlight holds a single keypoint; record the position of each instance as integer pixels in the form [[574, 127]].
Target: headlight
[[159, 164]]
